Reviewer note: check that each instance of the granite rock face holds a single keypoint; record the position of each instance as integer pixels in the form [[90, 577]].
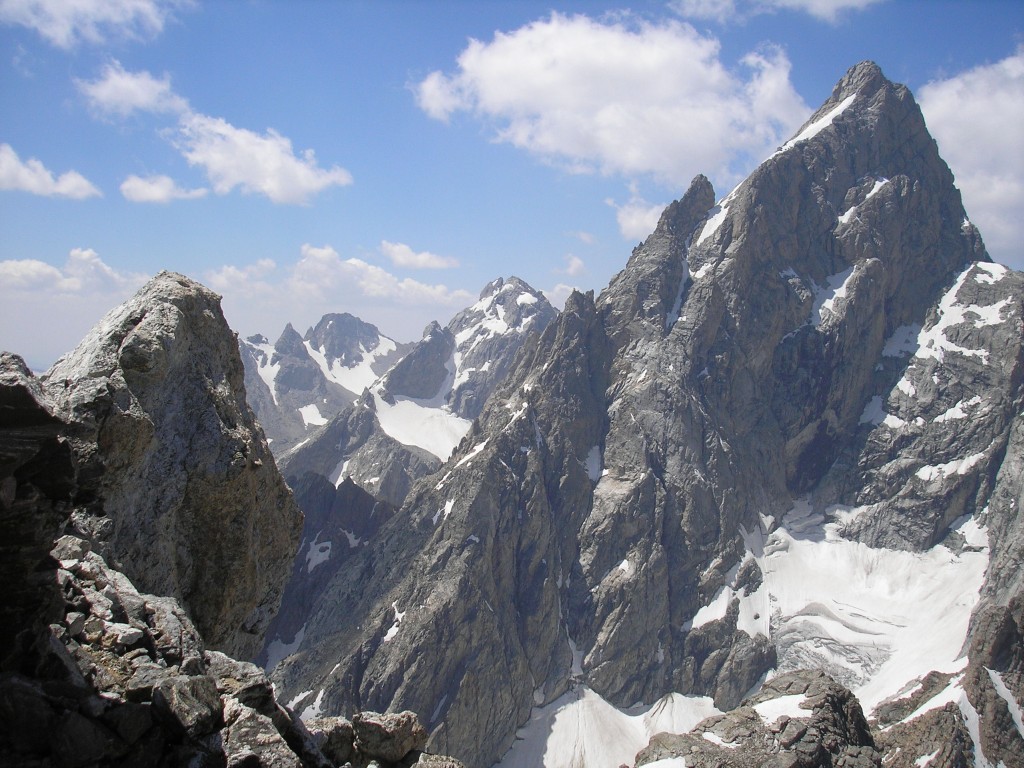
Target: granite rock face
[[825, 355], [187, 499]]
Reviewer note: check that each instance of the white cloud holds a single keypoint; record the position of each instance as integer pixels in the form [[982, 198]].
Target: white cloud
[[156, 189], [628, 97], [32, 176], [119, 92], [401, 255], [556, 296], [263, 296], [65, 24], [574, 266], [87, 288], [231, 157], [712, 10], [826, 10], [263, 163], [584, 237], [976, 118], [637, 218], [724, 11]]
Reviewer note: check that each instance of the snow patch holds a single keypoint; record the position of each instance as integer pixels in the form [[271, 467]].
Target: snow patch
[[357, 377], [955, 467], [318, 552], [1007, 695], [582, 729], [421, 423], [594, 464], [399, 615], [902, 342], [990, 273], [279, 650], [313, 710], [783, 706], [873, 412], [923, 760], [817, 126], [825, 297], [311, 416], [873, 618]]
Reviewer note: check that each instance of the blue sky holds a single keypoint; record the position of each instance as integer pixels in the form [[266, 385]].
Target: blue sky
[[390, 158]]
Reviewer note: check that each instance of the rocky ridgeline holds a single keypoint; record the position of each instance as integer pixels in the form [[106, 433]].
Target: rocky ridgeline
[[827, 354], [131, 452]]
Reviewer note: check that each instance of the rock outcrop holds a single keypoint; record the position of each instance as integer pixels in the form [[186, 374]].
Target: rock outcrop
[[821, 368], [93, 671], [186, 497]]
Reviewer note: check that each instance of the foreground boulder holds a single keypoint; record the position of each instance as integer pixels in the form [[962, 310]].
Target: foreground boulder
[[178, 485]]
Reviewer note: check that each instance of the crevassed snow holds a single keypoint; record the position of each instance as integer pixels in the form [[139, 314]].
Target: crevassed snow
[[279, 650], [357, 377], [412, 422], [825, 296], [818, 125], [873, 618], [311, 416], [582, 729]]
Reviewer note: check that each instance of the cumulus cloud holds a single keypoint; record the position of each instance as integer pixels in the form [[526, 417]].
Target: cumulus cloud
[[724, 11], [624, 96], [263, 163], [157, 189], [556, 296], [976, 118], [401, 255], [574, 266], [32, 176], [231, 157], [65, 24], [637, 218], [86, 287], [263, 296], [120, 93]]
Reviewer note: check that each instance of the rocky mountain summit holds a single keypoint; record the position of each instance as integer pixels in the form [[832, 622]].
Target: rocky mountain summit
[[408, 422], [299, 383], [136, 461], [786, 437]]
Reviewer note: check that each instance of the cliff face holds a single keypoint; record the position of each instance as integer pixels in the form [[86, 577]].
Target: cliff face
[[183, 492], [790, 413]]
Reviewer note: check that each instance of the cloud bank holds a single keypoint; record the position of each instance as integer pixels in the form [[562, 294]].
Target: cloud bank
[[230, 157], [976, 118], [66, 23], [624, 96], [33, 177]]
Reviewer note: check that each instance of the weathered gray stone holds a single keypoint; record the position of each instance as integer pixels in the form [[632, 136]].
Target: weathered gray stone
[[191, 703], [197, 510], [388, 737]]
